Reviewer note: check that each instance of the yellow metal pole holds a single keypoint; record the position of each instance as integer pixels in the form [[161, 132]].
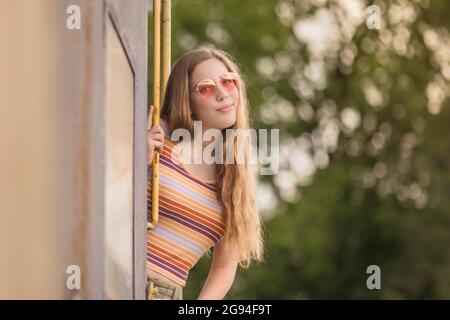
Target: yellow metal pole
[[166, 64], [166, 38], [156, 108]]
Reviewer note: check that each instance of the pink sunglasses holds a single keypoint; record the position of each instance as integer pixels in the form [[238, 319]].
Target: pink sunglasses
[[207, 87]]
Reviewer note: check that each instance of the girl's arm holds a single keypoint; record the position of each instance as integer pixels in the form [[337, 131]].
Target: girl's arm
[[221, 274]]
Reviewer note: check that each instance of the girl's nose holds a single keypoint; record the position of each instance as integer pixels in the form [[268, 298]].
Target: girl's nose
[[221, 93]]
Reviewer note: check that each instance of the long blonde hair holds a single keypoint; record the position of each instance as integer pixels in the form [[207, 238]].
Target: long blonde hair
[[243, 224]]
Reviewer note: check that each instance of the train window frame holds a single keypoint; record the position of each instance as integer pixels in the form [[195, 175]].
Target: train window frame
[[137, 61]]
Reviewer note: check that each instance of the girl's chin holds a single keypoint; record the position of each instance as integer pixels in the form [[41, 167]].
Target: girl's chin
[[222, 122], [227, 123]]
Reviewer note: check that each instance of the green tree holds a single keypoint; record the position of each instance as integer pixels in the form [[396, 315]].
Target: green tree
[[363, 117]]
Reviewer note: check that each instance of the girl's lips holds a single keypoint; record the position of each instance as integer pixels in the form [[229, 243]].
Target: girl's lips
[[225, 108]]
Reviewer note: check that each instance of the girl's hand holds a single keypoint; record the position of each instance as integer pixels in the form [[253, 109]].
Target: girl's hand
[[155, 137]]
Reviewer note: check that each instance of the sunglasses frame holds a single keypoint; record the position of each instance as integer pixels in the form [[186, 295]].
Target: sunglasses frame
[[234, 74]]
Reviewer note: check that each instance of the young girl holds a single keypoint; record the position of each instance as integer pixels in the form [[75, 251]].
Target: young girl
[[201, 205]]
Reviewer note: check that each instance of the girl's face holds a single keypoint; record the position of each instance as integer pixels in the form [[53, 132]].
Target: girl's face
[[206, 105]]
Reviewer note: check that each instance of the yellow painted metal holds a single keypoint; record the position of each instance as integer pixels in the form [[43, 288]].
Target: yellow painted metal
[[166, 54]]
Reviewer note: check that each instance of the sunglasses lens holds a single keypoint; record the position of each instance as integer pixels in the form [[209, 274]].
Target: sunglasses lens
[[228, 84], [205, 89], [229, 80]]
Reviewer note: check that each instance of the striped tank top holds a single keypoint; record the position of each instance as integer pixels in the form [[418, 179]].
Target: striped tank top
[[190, 218]]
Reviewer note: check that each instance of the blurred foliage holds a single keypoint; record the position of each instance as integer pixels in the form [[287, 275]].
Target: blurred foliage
[[364, 125]]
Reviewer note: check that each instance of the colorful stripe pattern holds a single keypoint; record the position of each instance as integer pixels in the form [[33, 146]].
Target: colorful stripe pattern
[[190, 218]]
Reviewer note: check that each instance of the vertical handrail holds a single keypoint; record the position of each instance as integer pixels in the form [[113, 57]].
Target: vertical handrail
[[166, 63], [156, 108], [166, 38]]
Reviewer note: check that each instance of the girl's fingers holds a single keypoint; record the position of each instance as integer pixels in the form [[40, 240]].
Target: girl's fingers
[[160, 129], [157, 129], [158, 136], [158, 143], [155, 135], [158, 147], [155, 143]]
